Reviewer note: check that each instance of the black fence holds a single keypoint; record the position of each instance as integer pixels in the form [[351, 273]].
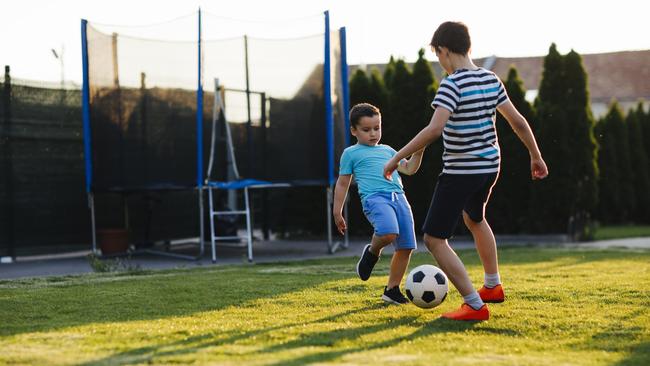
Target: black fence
[[41, 165]]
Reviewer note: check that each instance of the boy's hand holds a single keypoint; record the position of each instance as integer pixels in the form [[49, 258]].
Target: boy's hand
[[538, 168], [340, 223], [389, 168]]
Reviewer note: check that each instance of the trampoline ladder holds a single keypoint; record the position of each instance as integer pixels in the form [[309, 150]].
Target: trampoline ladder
[[249, 230]]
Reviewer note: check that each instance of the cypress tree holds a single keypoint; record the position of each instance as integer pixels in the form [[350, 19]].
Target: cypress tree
[[639, 162], [583, 148], [378, 91], [644, 119], [420, 186], [360, 87], [508, 208], [400, 106], [610, 206], [551, 200], [389, 71]]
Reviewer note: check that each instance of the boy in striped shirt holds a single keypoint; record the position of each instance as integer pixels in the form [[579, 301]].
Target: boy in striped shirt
[[464, 114]]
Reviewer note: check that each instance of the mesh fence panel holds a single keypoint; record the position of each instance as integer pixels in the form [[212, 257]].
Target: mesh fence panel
[[41, 168], [289, 73], [143, 111]]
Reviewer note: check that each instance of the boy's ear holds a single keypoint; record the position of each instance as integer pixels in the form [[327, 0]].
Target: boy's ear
[[353, 131]]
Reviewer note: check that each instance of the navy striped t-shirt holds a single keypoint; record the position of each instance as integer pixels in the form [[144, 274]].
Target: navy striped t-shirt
[[470, 136]]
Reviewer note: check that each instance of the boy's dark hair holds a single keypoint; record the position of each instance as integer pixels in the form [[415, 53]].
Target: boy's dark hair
[[454, 36], [362, 110]]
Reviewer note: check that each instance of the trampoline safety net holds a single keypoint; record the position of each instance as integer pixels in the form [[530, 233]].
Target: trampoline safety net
[[143, 104]]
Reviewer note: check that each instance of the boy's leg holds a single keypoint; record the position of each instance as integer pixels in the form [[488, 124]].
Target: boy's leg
[[491, 291], [382, 217], [473, 307], [405, 242], [371, 253], [485, 243], [474, 218], [398, 266], [449, 263], [379, 242]]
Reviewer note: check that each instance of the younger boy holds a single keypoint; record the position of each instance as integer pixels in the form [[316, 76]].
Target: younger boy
[[383, 200], [465, 113]]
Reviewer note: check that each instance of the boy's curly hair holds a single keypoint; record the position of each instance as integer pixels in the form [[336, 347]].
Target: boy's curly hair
[[362, 110]]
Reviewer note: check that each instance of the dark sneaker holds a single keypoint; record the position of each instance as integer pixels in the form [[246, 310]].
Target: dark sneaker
[[394, 296], [366, 263]]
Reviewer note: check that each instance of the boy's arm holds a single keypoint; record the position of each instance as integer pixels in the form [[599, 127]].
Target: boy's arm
[[340, 192], [428, 135], [519, 124], [411, 166]]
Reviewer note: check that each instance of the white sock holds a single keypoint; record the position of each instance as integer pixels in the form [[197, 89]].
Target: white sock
[[473, 300], [492, 279]]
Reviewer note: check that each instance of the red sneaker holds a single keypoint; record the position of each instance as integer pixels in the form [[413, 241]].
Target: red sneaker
[[492, 295], [466, 312]]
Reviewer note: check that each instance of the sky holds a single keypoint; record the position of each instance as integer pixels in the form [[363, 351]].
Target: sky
[[376, 29]]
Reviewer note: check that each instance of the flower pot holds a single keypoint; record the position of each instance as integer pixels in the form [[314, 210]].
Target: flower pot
[[113, 241]]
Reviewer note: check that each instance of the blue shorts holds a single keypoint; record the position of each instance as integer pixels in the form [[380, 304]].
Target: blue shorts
[[390, 213]]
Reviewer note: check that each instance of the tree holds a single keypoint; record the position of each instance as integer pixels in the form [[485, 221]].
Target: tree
[[359, 87], [639, 162], [551, 201], [389, 71], [420, 186], [583, 164], [378, 94], [610, 207], [508, 208]]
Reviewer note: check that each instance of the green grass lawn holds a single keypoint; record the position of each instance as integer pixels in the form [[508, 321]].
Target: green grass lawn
[[617, 232], [563, 307]]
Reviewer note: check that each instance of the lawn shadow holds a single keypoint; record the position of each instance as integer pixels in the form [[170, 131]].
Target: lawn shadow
[[195, 343], [436, 326], [626, 340], [99, 299]]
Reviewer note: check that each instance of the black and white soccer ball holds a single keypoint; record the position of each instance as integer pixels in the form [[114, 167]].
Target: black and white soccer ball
[[427, 286]]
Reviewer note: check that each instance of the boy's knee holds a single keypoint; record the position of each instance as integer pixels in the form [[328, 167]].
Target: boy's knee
[[388, 238], [469, 222], [432, 242]]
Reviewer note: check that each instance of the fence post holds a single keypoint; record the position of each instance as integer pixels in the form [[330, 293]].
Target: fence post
[[8, 172]]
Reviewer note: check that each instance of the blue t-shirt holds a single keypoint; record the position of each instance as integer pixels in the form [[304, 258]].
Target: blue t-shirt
[[366, 163]]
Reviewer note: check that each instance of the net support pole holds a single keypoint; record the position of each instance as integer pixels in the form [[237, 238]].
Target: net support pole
[[345, 87], [199, 137], [249, 123], [8, 170], [329, 130], [85, 112]]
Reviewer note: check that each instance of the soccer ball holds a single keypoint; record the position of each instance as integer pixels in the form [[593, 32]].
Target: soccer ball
[[427, 286]]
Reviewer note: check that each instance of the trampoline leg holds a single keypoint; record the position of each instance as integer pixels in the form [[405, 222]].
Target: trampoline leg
[[249, 229], [214, 253], [201, 226], [91, 205], [330, 244]]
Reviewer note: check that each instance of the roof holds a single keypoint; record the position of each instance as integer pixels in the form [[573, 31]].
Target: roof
[[622, 75]]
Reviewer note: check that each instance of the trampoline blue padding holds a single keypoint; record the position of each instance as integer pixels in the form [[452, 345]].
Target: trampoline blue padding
[[245, 183]]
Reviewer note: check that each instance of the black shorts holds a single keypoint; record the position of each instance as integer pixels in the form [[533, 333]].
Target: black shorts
[[454, 194]]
